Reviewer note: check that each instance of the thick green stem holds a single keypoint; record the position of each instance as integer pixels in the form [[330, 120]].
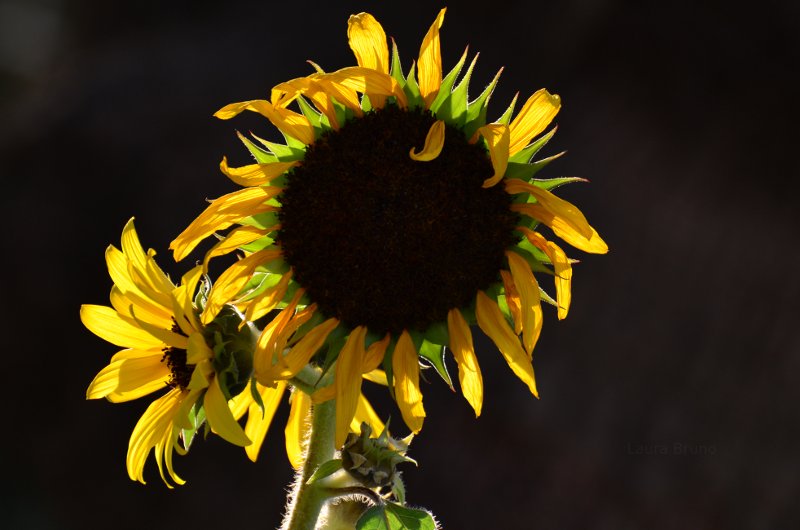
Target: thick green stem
[[307, 500]]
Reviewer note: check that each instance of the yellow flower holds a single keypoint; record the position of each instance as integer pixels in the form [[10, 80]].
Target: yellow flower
[[164, 348], [380, 232]]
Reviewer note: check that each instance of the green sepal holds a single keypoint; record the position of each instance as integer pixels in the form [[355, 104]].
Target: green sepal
[[196, 416], [391, 516], [411, 90], [256, 395], [366, 104], [537, 254], [476, 109], [435, 355], [530, 151], [447, 85], [258, 244], [325, 469], [335, 342], [506, 116], [396, 68], [202, 294], [399, 488], [262, 156], [537, 166], [233, 350], [343, 114], [530, 255], [313, 117], [453, 108], [551, 184], [497, 293], [284, 153], [546, 297], [263, 221]]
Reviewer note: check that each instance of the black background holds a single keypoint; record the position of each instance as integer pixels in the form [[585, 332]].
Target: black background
[[669, 395]]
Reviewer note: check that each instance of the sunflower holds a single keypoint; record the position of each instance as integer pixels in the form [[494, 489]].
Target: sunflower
[[392, 219]]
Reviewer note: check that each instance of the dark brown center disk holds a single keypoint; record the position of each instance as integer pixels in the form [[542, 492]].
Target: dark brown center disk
[[381, 240]]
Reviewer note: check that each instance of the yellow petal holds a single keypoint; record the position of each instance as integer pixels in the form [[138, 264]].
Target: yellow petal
[[152, 275], [469, 372], [155, 425], [284, 93], [127, 304], [326, 393], [368, 42], [512, 299], [300, 354], [405, 365], [183, 301], [561, 265], [198, 350], [434, 141], [563, 217], [377, 377], [109, 325], [293, 124], [366, 414], [130, 378], [266, 346], [348, 382], [374, 355], [120, 273], [222, 213], [233, 280], [492, 322], [255, 174], [429, 71], [533, 118], [530, 301], [257, 422], [297, 427], [220, 418], [366, 81], [497, 137]]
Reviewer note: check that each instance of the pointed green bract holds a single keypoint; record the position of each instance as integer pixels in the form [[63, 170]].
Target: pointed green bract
[[447, 84], [262, 156], [477, 109], [411, 90], [435, 355], [453, 108], [530, 151]]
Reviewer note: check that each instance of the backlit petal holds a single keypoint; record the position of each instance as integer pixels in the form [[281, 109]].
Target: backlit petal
[[220, 417], [512, 300], [469, 372], [348, 382], [109, 325], [297, 427], [429, 69], [293, 124], [405, 365], [300, 354], [220, 214], [255, 174], [366, 414], [530, 301], [130, 378], [368, 42], [533, 118], [257, 422], [492, 322], [375, 353], [561, 265]]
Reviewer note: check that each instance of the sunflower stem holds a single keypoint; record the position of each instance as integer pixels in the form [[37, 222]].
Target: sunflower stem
[[306, 501]]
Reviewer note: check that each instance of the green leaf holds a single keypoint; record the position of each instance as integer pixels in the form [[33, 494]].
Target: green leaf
[[476, 109], [325, 470], [392, 516], [526, 154], [447, 84], [434, 354], [453, 108]]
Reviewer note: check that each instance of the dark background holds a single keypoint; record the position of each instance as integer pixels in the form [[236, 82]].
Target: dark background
[[670, 394]]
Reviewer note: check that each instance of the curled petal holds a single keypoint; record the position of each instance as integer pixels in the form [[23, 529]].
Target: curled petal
[[233, 280], [255, 174], [492, 322], [287, 121], [434, 141], [300, 354], [533, 118], [405, 365], [269, 299], [430, 61], [512, 299], [366, 81], [374, 355], [469, 372], [496, 135], [235, 239]]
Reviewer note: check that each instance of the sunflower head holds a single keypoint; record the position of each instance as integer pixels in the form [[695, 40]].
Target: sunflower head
[[395, 216]]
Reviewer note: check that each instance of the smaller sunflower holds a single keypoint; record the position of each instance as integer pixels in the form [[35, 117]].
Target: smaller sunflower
[[168, 348]]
